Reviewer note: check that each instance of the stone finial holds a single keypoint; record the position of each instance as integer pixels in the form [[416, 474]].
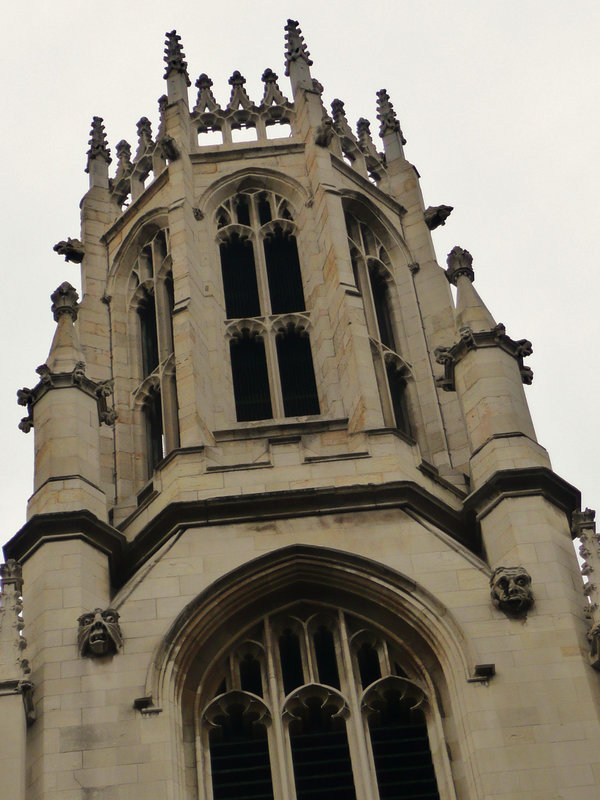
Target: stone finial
[[363, 132], [98, 143], [272, 94], [163, 102], [144, 132], [387, 116], [459, 262], [206, 99], [65, 301], [338, 112], [71, 249], [511, 590], [295, 47], [99, 633], [436, 216], [583, 526], [124, 153], [239, 96], [175, 57]]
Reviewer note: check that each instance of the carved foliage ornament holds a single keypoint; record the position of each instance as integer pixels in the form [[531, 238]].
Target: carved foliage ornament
[[99, 633], [511, 590]]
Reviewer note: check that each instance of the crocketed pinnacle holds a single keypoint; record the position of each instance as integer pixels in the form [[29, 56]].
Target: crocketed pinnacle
[[295, 47], [174, 56], [98, 143], [387, 116]]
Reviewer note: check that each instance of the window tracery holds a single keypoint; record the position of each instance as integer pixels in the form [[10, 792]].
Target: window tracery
[[152, 300], [312, 700], [267, 322], [372, 271]]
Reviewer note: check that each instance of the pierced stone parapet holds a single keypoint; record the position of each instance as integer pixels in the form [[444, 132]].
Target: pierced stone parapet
[[583, 526], [71, 249], [473, 340]]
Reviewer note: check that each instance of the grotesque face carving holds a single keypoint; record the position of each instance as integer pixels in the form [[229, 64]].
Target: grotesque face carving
[[99, 633], [511, 590]]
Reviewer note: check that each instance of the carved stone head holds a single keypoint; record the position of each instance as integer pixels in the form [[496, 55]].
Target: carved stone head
[[511, 590], [99, 633]]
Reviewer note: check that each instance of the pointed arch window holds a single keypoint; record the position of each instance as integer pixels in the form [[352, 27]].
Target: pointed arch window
[[152, 299], [313, 700], [262, 280], [372, 271]]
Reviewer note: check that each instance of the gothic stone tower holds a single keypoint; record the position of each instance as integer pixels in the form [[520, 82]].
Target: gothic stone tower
[[277, 470]]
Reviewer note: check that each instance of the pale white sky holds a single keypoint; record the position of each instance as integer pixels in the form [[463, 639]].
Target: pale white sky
[[499, 102]]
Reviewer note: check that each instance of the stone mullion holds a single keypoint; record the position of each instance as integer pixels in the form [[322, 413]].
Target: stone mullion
[[281, 761], [362, 765]]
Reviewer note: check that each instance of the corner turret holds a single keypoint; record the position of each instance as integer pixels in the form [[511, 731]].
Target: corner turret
[[66, 409]]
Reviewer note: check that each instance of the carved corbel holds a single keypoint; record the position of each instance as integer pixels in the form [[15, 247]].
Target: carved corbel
[[99, 633], [511, 590]]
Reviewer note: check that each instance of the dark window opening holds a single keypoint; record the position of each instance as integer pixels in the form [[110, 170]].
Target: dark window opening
[[298, 386], [222, 688], [239, 278], [223, 219], [239, 758], [147, 314], [250, 379], [283, 271], [154, 431], [264, 210], [397, 386], [399, 671], [380, 300], [355, 270], [326, 660], [243, 209], [368, 664], [291, 661], [250, 677], [161, 245], [170, 290], [321, 756], [403, 763]]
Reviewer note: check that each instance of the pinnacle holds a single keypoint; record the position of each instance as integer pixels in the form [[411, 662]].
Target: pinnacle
[[174, 56], [387, 116], [98, 143], [295, 46]]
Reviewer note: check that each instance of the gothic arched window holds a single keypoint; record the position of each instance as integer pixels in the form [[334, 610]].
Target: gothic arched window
[[273, 373], [373, 276], [152, 297], [313, 700]]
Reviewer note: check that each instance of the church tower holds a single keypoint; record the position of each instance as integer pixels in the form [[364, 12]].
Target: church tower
[[292, 535]]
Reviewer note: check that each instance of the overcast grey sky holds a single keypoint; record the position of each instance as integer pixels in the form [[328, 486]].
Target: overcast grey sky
[[499, 101]]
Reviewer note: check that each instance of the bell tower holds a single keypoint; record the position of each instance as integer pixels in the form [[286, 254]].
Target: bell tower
[[292, 533]]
